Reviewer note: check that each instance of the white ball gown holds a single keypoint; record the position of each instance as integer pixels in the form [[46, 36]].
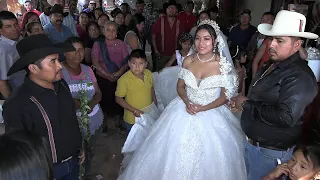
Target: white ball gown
[[204, 146]]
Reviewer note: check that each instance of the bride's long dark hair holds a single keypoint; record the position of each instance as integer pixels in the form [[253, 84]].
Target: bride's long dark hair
[[212, 33]]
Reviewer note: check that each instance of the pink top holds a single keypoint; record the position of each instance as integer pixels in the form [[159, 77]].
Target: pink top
[[81, 75], [117, 52]]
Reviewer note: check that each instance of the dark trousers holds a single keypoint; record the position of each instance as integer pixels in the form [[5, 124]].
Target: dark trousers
[[68, 170], [161, 61]]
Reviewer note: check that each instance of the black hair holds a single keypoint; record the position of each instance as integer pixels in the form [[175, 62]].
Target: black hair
[[214, 9], [25, 155], [29, 27], [183, 38], [83, 12], [138, 53], [6, 15], [25, 19], [135, 20], [37, 63], [209, 28], [103, 15], [125, 4], [204, 12], [268, 13], [73, 39], [190, 2], [93, 24], [246, 11], [98, 9], [139, 2], [310, 152], [114, 12], [117, 13]]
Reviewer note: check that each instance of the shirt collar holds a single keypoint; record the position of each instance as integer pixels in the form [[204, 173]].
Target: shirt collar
[[9, 41], [283, 64], [132, 76], [36, 88]]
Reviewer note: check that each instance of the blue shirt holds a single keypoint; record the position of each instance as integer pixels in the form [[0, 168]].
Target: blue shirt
[[241, 37], [55, 35]]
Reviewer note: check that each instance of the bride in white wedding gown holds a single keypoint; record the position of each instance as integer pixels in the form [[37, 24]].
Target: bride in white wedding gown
[[196, 137]]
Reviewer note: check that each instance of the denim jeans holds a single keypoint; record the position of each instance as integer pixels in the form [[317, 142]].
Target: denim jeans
[[128, 126], [261, 161], [68, 170]]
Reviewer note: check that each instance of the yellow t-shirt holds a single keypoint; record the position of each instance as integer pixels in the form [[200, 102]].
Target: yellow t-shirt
[[136, 92]]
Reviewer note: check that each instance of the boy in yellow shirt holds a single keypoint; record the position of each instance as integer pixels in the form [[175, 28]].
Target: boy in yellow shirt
[[135, 88]]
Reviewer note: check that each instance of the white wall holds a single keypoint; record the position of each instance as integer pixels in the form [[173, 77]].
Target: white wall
[[257, 7]]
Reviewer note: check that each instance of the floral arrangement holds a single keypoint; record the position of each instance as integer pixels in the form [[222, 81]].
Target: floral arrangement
[[84, 124]]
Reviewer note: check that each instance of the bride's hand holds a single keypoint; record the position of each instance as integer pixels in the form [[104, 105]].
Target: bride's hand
[[197, 108], [189, 108], [232, 106]]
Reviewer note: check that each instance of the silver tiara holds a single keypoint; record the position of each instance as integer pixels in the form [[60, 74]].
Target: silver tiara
[[216, 28]]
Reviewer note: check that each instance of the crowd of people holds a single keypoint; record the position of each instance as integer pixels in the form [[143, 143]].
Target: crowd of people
[[212, 103]]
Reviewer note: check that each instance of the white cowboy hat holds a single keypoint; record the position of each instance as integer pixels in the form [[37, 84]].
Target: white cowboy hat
[[287, 23]]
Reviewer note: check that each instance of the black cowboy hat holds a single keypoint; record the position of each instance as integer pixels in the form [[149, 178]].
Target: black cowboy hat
[[57, 9], [35, 47]]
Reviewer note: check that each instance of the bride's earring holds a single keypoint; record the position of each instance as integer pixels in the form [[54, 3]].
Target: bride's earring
[[215, 48]]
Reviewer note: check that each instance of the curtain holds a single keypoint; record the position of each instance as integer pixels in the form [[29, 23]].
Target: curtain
[[277, 5]]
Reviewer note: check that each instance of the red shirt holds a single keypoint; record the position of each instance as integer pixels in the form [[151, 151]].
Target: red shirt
[[265, 57], [34, 10], [189, 21], [83, 35], [170, 39]]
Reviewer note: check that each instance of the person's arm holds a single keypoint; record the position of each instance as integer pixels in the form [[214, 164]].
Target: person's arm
[[120, 93], [171, 61], [155, 31], [16, 116], [303, 53], [218, 102], [98, 95], [257, 59], [295, 94], [181, 85], [95, 56], [154, 97], [4, 88], [132, 41], [252, 45]]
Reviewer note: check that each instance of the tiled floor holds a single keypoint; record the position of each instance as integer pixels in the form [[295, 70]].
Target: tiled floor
[[107, 159]]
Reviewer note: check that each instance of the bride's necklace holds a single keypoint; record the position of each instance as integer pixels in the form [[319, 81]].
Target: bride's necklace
[[205, 60]]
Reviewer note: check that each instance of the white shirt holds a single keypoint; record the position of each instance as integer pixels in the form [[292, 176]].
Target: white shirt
[[67, 21], [8, 56]]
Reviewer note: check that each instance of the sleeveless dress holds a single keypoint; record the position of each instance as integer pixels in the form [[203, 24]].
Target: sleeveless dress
[[204, 146], [96, 116]]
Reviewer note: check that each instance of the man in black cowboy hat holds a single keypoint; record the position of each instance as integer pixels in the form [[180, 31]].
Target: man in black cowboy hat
[[55, 29], [44, 105]]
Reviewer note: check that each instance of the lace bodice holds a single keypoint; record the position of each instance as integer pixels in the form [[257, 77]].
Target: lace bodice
[[207, 90]]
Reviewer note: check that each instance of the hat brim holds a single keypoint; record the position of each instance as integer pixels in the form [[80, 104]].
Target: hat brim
[[266, 29], [37, 54]]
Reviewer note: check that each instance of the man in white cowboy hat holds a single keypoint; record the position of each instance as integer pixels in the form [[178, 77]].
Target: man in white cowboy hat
[[44, 105], [278, 95]]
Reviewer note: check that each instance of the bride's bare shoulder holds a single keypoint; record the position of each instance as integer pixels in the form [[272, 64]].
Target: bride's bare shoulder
[[188, 60]]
